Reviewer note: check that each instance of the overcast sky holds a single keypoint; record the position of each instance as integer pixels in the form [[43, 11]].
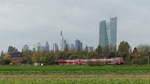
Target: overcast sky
[[32, 21]]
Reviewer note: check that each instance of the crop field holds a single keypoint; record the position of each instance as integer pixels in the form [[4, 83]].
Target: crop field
[[80, 81], [74, 79], [75, 75], [85, 81]]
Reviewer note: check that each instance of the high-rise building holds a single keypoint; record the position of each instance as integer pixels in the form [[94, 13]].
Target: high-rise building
[[78, 45], [55, 47], [66, 46], [72, 47], [108, 33], [103, 35], [86, 48], [46, 47], [39, 47], [113, 32]]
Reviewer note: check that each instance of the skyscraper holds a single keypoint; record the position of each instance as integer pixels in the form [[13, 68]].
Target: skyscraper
[[103, 35], [39, 47], [108, 33], [113, 32], [47, 47], [78, 45], [55, 47], [72, 47]]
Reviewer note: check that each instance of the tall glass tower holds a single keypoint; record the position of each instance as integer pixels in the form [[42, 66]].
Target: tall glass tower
[[108, 33], [103, 36], [113, 32]]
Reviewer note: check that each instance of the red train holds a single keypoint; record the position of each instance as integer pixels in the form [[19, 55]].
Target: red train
[[111, 61]]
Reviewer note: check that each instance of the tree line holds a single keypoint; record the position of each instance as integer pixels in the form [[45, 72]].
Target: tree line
[[132, 56]]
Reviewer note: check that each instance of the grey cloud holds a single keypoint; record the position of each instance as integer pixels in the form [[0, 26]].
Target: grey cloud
[[32, 21]]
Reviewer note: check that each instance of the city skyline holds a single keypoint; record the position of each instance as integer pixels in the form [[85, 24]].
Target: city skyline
[[32, 21]]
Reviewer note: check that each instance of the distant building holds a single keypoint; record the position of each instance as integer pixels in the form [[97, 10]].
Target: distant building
[[78, 45], [47, 47], [55, 47], [113, 32], [72, 47], [25, 48], [86, 49], [89, 48], [103, 37], [143, 47], [43, 48], [39, 47], [66, 46], [108, 33]]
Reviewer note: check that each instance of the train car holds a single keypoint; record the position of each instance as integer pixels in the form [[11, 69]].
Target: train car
[[110, 61]]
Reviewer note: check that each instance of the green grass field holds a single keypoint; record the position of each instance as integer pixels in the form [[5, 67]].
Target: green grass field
[[83, 70], [75, 68], [75, 75], [74, 79], [80, 81]]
